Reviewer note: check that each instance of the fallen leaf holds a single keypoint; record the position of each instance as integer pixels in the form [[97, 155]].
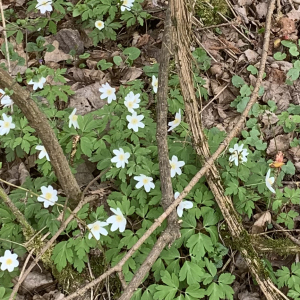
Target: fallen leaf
[[279, 143], [56, 55], [130, 74], [260, 224]]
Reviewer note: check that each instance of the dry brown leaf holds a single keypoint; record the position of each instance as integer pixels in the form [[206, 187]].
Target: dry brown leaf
[[279, 143], [245, 295], [23, 173], [87, 99], [280, 94], [261, 9], [57, 55], [130, 74], [260, 224], [86, 75], [269, 118], [251, 55], [226, 96]]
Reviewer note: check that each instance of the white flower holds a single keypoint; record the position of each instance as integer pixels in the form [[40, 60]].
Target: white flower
[[238, 154], [270, 181], [96, 229], [132, 101], [43, 152], [8, 261], [127, 4], [154, 84], [6, 125], [99, 24], [117, 220], [38, 84], [107, 92], [49, 196], [5, 100], [176, 165], [182, 205], [121, 158], [144, 181], [44, 5], [176, 122], [73, 119], [135, 121]]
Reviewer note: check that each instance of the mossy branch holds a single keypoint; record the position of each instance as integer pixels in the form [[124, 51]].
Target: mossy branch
[[39, 122], [28, 231]]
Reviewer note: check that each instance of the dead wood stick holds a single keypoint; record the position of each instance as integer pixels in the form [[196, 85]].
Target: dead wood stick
[[39, 122], [172, 232], [184, 61]]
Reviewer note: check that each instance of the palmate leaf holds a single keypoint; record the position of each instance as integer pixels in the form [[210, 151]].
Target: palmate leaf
[[191, 272], [61, 254], [168, 291], [199, 244]]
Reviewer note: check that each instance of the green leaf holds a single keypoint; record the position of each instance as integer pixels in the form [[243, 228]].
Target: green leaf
[[191, 272], [237, 81], [104, 64], [194, 291], [294, 51], [214, 292], [132, 52], [279, 56], [86, 146], [117, 60], [2, 292], [199, 244], [289, 168], [19, 37], [61, 254], [252, 70]]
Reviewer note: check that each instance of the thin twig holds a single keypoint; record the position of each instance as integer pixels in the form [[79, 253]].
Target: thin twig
[[5, 38]]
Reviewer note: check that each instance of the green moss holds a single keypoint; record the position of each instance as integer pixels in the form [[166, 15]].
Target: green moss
[[210, 16], [98, 266]]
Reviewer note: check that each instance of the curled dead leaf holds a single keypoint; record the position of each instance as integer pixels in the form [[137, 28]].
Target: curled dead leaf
[[260, 224]]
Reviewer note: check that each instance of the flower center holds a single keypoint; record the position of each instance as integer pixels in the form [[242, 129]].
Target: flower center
[[176, 121], [48, 196], [155, 83], [270, 181], [173, 165], [145, 180], [44, 3], [130, 104], [134, 121], [119, 218], [96, 227], [125, 2], [6, 124], [9, 261], [121, 157], [74, 118], [100, 24], [109, 92]]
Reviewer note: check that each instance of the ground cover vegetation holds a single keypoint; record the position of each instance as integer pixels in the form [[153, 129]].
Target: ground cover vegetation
[[92, 68]]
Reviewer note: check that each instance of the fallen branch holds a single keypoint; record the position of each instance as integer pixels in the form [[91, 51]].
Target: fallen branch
[[184, 61], [39, 122]]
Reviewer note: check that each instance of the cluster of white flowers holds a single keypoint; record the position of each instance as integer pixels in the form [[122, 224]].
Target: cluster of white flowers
[[126, 5], [239, 155], [117, 221]]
